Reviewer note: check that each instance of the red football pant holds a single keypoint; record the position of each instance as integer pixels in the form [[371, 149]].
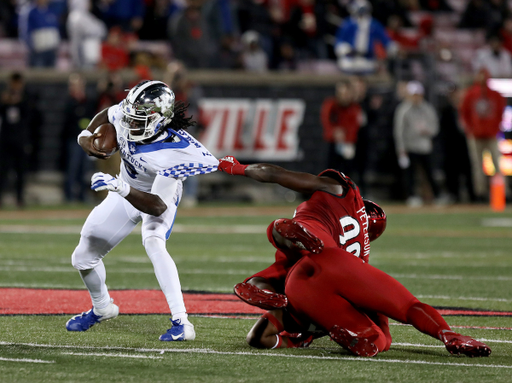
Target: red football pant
[[335, 287], [276, 273]]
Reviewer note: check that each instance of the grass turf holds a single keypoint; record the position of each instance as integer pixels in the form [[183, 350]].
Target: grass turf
[[455, 259]]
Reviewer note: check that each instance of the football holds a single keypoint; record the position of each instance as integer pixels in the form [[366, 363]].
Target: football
[[107, 142]]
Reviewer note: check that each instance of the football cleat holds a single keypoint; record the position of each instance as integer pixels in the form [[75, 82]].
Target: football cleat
[[264, 299], [85, 320], [179, 332], [457, 344], [299, 237], [357, 344]]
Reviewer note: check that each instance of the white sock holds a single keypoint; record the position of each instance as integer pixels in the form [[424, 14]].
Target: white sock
[[94, 280], [167, 276]]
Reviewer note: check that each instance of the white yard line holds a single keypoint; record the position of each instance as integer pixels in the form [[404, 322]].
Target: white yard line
[[463, 298], [178, 228], [112, 355], [454, 277], [271, 354], [26, 360]]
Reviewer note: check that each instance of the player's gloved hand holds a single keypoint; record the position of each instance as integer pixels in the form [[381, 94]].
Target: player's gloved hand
[[102, 181], [230, 165]]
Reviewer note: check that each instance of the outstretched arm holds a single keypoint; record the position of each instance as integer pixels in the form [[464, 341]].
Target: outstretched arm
[[297, 181]]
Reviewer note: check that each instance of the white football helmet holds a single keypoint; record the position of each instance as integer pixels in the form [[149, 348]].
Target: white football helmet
[[148, 107]]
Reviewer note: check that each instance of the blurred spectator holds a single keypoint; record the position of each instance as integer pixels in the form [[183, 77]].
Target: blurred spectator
[[482, 112], [506, 34], [494, 58], [498, 11], [360, 88], [475, 15], [341, 120], [254, 15], [415, 125], [176, 76], [306, 28], [39, 29], [457, 165], [435, 6], [384, 9], [8, 19], [190, 40], [110, 91], [127, 14], [114, 53], [356, 40], [254, 58], [14, 135], [394, 30], [156, 17], [85, 32], [79, 110]]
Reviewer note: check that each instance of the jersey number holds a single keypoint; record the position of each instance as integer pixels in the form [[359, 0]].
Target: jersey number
[[130, 169], [350, 229]]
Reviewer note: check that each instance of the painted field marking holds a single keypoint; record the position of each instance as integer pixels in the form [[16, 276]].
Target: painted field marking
[[273, 355], [452, 277], [178, 228], [26, 360], [112, 355], [463, 298], [497, 222]]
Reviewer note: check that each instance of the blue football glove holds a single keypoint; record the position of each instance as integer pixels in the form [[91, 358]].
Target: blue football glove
[[102, 181]]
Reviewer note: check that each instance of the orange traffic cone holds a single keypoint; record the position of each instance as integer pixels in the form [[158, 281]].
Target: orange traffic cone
[[497, 192]]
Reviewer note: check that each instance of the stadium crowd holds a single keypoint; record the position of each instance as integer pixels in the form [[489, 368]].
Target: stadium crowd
[[256, 35], [358, 37]]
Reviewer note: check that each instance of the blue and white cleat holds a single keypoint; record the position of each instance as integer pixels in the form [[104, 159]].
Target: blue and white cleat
[[179, 332], [85, 320]]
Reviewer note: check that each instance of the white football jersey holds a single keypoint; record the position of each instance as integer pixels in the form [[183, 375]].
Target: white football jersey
[[141, 163]]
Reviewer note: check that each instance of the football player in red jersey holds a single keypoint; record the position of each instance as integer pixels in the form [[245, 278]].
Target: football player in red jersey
[[321, 269]]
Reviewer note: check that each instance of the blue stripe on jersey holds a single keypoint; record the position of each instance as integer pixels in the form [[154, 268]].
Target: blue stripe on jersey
[[156, 146]]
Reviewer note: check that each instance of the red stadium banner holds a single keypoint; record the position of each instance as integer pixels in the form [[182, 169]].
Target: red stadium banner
[[261, 129]]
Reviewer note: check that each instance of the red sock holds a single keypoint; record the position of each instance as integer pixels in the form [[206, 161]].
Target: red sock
[[427, 319]]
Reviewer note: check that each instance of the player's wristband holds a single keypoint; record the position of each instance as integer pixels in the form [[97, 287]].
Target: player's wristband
[[238, 169], [83, 133]]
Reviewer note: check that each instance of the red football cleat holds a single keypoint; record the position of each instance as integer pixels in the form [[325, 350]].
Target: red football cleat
[[357, 344], [460, 344], [299, 237], [255, 296]]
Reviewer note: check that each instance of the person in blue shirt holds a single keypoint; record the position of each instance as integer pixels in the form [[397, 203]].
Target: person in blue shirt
[[356, 39]]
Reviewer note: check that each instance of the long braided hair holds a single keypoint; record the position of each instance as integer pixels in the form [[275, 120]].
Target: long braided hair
[[180, 121]]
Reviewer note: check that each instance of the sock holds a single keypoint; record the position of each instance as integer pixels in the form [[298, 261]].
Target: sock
[[183, 317], [94, 280], [427, 320], [279, 342], [167, 275]]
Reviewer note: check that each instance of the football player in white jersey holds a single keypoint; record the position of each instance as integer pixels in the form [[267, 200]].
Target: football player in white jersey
[[157, 155]]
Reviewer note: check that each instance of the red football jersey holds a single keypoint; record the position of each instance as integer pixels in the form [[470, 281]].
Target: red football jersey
[[343, 217]]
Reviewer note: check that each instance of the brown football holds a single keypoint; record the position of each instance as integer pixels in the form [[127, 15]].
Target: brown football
[[107, 142]]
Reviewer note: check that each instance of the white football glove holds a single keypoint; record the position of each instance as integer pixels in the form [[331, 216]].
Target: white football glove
[[102, 181]]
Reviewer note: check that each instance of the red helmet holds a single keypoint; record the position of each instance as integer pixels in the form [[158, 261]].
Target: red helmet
[[376, 219]]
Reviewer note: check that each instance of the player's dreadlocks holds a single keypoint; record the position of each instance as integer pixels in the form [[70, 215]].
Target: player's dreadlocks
[[179, 121]]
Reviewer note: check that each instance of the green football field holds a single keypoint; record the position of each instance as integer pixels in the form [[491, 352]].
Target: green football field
[[456, 258]]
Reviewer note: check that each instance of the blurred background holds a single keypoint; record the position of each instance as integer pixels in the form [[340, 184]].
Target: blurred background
[[407, 97]]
